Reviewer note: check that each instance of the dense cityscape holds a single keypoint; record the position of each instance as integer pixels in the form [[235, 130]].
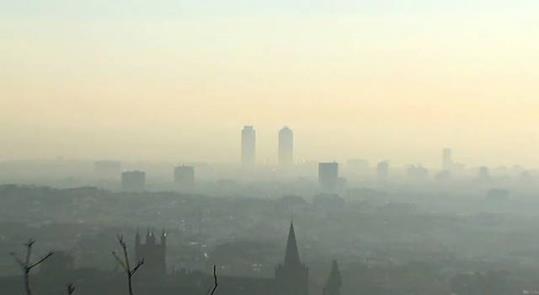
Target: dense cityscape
[[244, 147], [350, 226]]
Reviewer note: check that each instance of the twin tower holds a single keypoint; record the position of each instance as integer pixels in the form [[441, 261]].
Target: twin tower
[[248, 146]]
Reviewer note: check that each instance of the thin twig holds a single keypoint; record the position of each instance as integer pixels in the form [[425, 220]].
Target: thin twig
[[124, 263], [212, 291], [41, 260], [70, 288], [27, 266], [139, 264]]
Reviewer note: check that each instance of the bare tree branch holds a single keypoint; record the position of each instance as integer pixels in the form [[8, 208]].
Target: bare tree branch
[[41, 260], [27, 266], [70, 288], [124, 263], [28, 245], [212, 291], [139, 264]]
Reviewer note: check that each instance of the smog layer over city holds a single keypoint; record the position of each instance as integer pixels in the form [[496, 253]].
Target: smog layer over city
[[236, 147]]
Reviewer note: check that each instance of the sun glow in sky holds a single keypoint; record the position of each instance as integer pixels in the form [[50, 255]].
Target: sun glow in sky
[[167, 80]]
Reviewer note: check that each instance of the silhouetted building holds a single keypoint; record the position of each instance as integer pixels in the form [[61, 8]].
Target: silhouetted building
[[286, 147], [292, 277], [248, 146], [328, 175], [334, 282], [382, 170], [153, 253], [447, 159], [134, 181], [184, 176]]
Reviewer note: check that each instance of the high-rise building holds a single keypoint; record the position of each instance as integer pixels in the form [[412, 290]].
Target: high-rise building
[[134, 181], [286, 146], [447, 159], [292, 277], [328, 175], [248, 146], [184, 176]]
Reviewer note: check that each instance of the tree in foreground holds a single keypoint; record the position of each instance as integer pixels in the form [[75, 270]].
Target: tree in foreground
[[125, 264], [27, 265]]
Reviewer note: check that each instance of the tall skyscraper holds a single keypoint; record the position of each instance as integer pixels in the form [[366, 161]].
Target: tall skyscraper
[[248, 146], [328, 175], [447, 159], [184, 176], [286, 147], [134, 181]]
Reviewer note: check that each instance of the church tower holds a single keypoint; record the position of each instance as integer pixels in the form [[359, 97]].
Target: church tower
[[334, 282], [292, 277], [153, 253]]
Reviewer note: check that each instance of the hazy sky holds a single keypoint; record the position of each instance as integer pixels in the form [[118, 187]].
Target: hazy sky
[[176, 80]]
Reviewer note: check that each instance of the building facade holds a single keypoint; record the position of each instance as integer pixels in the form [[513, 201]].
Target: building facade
[[134, 181], [248, 146], [286, 147]]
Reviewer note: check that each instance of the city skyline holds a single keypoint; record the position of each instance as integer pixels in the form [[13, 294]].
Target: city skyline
[[248, 156], [84, 80], [178, 140]]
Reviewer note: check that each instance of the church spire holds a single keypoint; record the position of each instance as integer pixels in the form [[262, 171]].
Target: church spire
[[292, 253], [334, 282], [292, 277]]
